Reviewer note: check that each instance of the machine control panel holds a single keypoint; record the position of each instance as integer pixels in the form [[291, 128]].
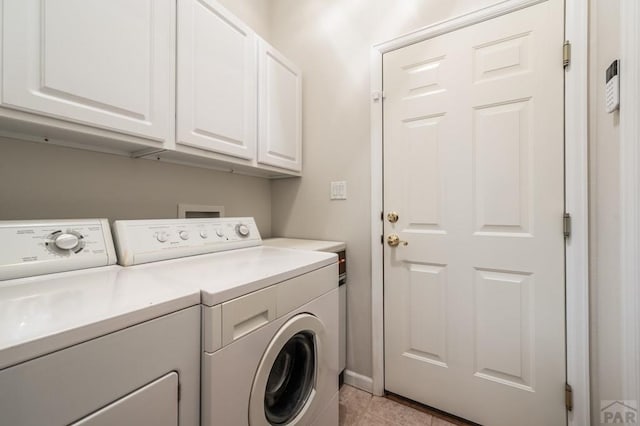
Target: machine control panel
[[142, 241], [37, 247]]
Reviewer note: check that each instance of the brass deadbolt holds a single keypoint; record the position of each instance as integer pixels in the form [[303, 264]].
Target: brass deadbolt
[[392, 217]]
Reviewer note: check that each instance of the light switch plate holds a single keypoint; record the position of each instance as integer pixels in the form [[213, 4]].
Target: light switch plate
[[339, 190]]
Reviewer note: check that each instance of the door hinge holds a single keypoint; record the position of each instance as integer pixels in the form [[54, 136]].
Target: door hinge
[[382, 216], [566, 53], [381, 239], [377, 96], [568, 396], [566, 225], [179, 392]]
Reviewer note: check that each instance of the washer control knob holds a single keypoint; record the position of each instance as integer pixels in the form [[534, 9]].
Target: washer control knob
[[162, 237], [204, 234], [184, 235], [219, 232], [242, 230], [66, 241]]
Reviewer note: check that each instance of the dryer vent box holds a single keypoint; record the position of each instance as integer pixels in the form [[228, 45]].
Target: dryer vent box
[[197, 211]]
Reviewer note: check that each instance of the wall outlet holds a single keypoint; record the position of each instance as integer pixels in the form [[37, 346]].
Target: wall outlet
[[339, 190]]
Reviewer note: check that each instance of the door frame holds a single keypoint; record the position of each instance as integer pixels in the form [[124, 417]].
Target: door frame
[[576, 189], [630, 194]]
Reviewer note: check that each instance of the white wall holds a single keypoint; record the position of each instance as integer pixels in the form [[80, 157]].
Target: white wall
[[331, 42], [39, 181], [606, 327]]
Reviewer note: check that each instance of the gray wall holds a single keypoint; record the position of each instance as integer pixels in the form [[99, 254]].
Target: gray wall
[[40, 181], [331, 41]]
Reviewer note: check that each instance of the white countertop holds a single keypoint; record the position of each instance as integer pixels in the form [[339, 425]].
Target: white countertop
[[39, 315], [226, 275], [300, 244]]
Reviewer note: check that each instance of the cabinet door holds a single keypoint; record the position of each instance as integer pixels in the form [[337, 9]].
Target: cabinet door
[[153, 405], [217, 76], [280, 111], [104, 63]]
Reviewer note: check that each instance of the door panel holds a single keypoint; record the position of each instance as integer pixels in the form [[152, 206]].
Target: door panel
[[109, 64], [473, 164], [217, 80]]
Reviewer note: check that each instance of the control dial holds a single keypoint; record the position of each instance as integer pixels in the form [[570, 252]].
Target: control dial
[[184, 235], [242, 230], [65, 242]]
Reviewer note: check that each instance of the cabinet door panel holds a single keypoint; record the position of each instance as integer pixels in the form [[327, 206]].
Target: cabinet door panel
[[216, 80], [155, 404], [105, 63], [280, 137]]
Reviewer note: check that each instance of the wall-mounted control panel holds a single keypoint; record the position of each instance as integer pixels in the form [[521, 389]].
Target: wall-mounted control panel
[[39, 247], [612, 88], [142, 241]]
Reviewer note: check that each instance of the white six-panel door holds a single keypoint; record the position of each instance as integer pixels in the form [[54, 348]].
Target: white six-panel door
[[217, 80], [473, 165], [108, 64]]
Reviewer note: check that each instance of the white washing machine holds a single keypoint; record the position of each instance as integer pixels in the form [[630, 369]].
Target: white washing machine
[[269, 317], [339, 248], [86, 342]]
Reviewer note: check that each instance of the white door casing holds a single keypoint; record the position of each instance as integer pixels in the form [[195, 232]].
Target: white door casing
[[473, 154], [109, 64], [217, 80]]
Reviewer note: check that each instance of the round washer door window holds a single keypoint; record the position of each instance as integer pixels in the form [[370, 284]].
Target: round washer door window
[[286, 380], [291, 380]]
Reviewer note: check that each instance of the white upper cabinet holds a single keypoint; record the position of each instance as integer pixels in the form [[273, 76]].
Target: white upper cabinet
[[217, 77], [280, 111], [105, 64]]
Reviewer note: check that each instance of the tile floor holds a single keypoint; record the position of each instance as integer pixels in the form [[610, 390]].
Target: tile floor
[[358, 408]]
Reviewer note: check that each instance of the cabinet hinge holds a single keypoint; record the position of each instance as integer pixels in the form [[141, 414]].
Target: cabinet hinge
[[382, 216], [566, 225], [381, 239], [568, 396], [566, 53], [179, 391]]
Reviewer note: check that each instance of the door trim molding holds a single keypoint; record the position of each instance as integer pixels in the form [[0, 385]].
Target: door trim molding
[[630, 194], [576, 170], [577, 204]]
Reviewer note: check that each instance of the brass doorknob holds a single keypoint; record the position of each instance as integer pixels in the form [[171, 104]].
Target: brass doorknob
[[394, 241], [392, 217]]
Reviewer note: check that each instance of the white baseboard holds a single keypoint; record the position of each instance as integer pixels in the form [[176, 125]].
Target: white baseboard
[[358, 381]]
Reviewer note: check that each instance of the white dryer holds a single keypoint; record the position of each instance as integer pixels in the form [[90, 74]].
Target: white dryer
[[86, 342], [269, 317]]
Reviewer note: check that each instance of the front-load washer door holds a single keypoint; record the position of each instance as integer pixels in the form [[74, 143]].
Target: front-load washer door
[[289, 373]]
